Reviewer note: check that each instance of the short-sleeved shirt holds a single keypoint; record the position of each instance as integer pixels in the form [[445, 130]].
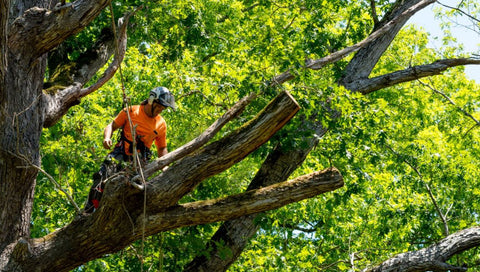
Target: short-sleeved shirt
[[148, 129]]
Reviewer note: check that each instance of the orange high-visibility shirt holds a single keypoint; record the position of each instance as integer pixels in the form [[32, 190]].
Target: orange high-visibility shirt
[[149, 129]]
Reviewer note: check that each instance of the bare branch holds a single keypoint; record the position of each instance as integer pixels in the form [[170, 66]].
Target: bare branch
[[250, 202], [118, 58], [460, 11], [218, 156], [361, 66], [434, 257], [59, 187], [369, 85], [55, 183]]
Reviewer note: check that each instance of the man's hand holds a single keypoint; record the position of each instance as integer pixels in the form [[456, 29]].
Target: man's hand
[[107, 143], [107, 134]]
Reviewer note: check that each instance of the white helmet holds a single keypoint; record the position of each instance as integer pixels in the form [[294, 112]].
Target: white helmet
[[162, 96]]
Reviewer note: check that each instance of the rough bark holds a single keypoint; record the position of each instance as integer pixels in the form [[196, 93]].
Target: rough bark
[[221, 155], [44, 28], [252, 201], [21, 119], [198, 142], [434, 257], [85, 238]]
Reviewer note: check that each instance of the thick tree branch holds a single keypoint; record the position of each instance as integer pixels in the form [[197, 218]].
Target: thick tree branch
[[60, 102], [366, 86], [44, 29], [434, 257], [250, 202], [86, 237]]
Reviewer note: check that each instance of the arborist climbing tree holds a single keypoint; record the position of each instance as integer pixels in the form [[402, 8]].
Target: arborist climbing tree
[[140, 126]]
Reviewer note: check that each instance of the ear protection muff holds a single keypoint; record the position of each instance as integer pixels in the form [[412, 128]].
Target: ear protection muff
[[151, 98]]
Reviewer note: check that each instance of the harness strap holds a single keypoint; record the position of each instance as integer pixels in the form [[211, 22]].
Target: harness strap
[[141, 147]]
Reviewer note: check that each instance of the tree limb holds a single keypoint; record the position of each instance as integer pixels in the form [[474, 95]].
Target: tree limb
[[434, 257], [365, 60], [250, 202], [369, 85], [86, 237], [182, 177], [51, 27]]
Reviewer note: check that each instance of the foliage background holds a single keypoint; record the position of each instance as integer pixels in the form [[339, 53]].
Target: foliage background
[[390, 146]]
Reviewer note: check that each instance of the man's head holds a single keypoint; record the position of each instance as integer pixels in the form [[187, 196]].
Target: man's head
[[162, 96]]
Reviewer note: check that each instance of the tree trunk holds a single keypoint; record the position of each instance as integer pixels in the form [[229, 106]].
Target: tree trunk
[[22, 113], [21, 123]]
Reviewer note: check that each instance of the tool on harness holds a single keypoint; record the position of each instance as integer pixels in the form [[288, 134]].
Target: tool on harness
[[142, 149]]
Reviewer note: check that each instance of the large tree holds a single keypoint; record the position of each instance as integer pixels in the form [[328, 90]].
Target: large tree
[[40, 84]]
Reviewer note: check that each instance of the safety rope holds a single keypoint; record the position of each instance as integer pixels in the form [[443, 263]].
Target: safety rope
[[136, 159]]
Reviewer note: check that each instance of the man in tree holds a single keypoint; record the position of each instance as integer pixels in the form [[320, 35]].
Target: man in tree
[[143, 121]]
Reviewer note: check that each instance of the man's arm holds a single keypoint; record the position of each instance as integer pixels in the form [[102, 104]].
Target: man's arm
[[161, 151], [107, 134]]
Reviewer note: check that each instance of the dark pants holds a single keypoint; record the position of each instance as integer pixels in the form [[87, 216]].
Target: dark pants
[[111, 165]]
